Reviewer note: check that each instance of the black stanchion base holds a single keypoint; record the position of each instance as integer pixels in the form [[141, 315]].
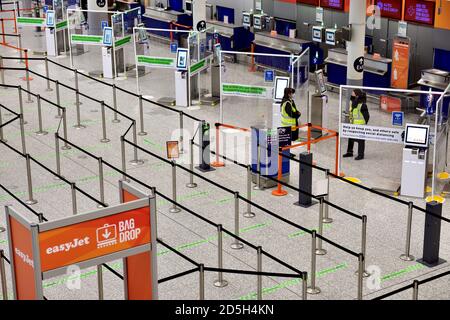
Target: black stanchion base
[[306, 205], [431, 265], [205, 169]]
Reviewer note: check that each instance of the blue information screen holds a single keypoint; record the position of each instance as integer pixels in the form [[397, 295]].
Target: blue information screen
[[269, 75], [397, 118]]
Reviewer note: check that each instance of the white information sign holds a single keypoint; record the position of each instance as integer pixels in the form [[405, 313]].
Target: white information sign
[[372, 133]]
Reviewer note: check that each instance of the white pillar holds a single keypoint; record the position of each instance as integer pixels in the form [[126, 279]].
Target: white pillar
[[355, 48], [198, 11]]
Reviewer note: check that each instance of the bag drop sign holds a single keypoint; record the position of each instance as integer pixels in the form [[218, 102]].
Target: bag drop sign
[[372, 133]]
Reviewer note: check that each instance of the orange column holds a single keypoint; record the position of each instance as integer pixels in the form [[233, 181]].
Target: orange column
[[279, 192]]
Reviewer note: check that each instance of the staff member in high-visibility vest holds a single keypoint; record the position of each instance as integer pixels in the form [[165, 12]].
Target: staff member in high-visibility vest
[[289, 112], [359, 114]]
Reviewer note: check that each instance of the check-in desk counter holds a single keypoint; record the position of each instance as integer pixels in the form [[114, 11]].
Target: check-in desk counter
[[436, 80], [279, 44], [377, 71], [232, 37], [161, 19]]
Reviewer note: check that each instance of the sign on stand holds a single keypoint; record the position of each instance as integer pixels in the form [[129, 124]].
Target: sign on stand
[[160, 62], [241, 90], [372, 133]]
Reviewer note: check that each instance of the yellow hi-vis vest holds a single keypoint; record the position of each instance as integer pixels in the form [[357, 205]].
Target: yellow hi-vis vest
[[286, 120], [356, 117]]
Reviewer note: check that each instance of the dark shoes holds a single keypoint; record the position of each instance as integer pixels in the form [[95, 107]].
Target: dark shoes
[[359, 157], [348, 155]]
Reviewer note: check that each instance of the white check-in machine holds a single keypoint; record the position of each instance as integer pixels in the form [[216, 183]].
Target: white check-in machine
[[259, 21], [415, 160], [319, 104], [281, 83], [50, 33], [182, 78], [330, 37], [247, 19], [318, 34]]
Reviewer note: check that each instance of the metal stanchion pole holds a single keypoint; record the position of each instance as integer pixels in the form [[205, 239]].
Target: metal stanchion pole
[[2, 71], [181, 132], [74, 198], [191, 183], [101, 181], [77, 105], [304, 285], [407, 256], [122, 151], [40, 132], [115, 120], [64, 117], [258, 169], [313, 289], [1, 128], [20, 46], [220, 283], [57, 156], [174, 208], [415, 295], [27, 75], [320, 251], [259, 269], [58, 99], [202, 281], [141, 117], [77, 102], [30, 200], [249, 213], [21, 104], [47, 74], [41, 217], [100, 281], [135, 161], [236, 244], [22, 134], [360, 275], [3, 276], [104, 138], [364, 244], [326, 217]]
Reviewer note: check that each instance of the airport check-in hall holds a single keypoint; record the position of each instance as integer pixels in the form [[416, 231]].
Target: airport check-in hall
[[238, 150]]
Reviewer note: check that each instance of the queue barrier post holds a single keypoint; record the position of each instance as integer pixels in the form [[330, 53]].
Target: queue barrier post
[[135, 161], [41, 217], [41, 131], [78, 125], [64, 117], [249, 213], [22, 134], [104, 138], [20, 46], [364, 244], [319, 250], [407, 255], [58, 99], [220, 282], [21, 104], [27, 78], [2, 72], [181, 132], [258, 168], [141, 116], [47, 74], [3, 276], [30, 200], [415, 295], [304, 285], [191, 183], [313, 289], [326, 216], [114, 88], [279, 192], [57, 156], [236, 243], [174, 208], [1, 128], [360, 275], [202, 282], [101, 180], [124, 163], [217, 163], [100, 282], [74, 198], [259, 276], [75, 72]]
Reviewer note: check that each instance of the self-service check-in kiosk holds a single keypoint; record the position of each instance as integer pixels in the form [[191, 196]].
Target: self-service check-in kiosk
[[107, 53], [182, 78], [415, 160], [55, 35], [319, 103]]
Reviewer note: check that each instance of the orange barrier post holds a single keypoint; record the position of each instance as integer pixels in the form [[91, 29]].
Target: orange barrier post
[[309, 137], [15, 22], [279, 192], [27, 77], [252, 66], [217, 163]]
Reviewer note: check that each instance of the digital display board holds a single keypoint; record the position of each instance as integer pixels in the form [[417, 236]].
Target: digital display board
[[310, 2], [391, 9], [332, 4], [420, 11]]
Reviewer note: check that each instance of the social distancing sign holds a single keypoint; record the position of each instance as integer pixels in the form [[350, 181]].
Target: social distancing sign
[[125, 231], [372, 133]]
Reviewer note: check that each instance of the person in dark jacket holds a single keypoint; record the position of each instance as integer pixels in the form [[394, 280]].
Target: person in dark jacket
[[289, 112], [359, 115]]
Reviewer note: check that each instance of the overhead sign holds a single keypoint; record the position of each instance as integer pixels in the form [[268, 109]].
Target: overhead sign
[[32, 22], [400, 64], [201, 26], [160, 62], [358, 65], [86, 39], [397, 118], [372, 133], [101, 3], [242, 90]]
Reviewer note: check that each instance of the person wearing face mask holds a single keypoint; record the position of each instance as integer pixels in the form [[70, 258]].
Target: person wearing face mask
[[359, 114], [289, 112]]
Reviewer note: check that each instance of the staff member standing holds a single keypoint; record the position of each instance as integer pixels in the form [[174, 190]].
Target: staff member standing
[[289, 112], [359, 114]]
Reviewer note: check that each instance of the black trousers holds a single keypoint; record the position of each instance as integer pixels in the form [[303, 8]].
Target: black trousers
[[361, 146]]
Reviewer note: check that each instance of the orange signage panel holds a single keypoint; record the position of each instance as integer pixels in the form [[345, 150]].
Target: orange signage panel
[[94, 238], [22, 262], [400, 64]]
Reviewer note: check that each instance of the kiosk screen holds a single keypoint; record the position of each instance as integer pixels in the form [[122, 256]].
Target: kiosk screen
[[416, 135]]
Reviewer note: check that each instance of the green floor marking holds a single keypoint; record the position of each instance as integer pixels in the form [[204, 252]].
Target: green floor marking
[[154, 144], [184, 197], [2, 241], [292, 282], [302, 233], [401, 272]]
